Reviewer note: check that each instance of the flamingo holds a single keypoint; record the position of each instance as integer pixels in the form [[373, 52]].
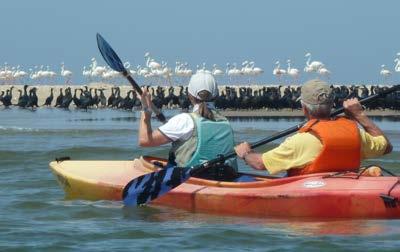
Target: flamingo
[[50, 74], [7, 74], [250, 70], [143, 71], [97, 71], [397, 60], [232, 71], [19, 74], [256, 70], [151, 63], [292, 72], [33, 74], [179, 70], [385, 72], [65, 73], [167, 73], [246, 69], [188, 72], [278, 72], [324, 72], [229, 71], [203, 69], [216, 71], [87, 73], [313, 66], [127, 66], [41, 73], [397, 66]]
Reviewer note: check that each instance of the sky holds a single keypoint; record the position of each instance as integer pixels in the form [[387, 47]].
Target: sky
[[352, 38]]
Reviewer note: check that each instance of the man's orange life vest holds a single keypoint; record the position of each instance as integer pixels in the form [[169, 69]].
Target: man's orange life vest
[[341, 146]]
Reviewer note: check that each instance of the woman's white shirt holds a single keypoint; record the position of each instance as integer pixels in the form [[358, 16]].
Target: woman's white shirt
[[181, 126]]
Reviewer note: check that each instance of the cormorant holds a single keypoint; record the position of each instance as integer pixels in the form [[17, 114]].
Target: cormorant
[[49, 99]]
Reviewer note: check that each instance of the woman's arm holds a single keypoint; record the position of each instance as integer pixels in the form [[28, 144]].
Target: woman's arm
[[148, 137]]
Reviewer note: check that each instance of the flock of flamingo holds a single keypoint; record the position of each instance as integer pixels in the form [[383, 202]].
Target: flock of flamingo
[[155, 73]]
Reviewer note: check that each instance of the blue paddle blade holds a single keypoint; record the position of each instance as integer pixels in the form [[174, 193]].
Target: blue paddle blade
[[145, 188], [109, 55]]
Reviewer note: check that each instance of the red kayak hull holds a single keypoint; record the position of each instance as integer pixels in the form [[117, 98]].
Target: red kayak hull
[[311, 196]]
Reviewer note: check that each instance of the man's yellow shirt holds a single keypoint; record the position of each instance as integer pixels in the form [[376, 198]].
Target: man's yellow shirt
[[302, 148]]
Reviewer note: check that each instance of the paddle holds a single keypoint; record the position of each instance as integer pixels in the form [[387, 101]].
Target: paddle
[[112, 59], [150, 186]]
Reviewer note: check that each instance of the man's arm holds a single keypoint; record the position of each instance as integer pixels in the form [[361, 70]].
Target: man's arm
[[253, 159], [354, 109]]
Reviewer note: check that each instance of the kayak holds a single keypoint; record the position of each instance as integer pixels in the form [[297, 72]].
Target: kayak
[[322, 195]]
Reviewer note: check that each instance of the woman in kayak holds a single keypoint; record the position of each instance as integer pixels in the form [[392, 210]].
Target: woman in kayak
[[196, 137]]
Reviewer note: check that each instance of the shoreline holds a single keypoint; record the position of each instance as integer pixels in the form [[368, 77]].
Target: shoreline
[[243, 114], [262, 113]]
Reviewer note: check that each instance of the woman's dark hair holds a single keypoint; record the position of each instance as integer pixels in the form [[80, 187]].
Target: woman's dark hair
[[204, 111]]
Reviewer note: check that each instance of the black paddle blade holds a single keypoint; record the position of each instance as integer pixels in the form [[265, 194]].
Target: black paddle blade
[[145, 188], [109, 54]]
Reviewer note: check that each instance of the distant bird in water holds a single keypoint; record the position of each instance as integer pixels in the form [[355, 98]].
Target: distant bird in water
[[184, 101], [397, 61], [103, 99], [59, 99], [278, 72], [2, 97], [292, 72], [118, 98], [67, 99], [75, 99], [49, 99], [96, 99], [33, 99], [312, 66], [66, 73], [385, 72], [23, 99], [8, 97], [323, 71], [111, 98]]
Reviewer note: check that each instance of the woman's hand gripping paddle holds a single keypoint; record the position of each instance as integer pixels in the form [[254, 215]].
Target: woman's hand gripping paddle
[[115, 63]]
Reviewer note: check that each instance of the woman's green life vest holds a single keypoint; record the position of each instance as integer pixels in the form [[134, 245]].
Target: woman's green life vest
[[209, 139]]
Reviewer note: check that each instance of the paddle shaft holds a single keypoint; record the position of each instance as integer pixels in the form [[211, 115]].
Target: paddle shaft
[[160, 116], [113, 60], [289, 131]]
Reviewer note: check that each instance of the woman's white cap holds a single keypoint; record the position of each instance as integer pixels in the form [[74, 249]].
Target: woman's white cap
[[202, 81]]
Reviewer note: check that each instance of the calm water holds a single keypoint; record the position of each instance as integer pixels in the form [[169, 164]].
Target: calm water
[[34, 215]]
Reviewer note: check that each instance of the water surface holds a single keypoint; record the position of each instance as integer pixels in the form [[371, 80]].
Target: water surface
[[35, 216]]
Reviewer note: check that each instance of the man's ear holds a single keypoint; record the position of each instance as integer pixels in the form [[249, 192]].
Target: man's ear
[[305, 111]]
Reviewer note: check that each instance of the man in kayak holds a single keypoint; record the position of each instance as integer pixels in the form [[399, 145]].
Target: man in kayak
[[196, 137], [323, 144]]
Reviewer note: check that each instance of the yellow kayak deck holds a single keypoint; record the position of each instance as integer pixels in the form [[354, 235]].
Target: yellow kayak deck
[[94, 180]]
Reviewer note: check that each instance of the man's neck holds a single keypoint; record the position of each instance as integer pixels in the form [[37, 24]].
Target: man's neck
[[309, 117]]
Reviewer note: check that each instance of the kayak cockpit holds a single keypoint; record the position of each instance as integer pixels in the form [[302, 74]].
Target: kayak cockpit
[[243, 180]]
